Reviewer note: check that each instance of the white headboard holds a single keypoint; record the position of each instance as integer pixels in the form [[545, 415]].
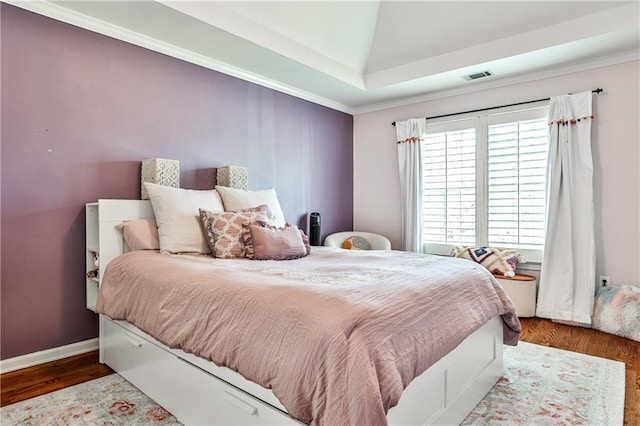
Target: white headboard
[[104, 238]]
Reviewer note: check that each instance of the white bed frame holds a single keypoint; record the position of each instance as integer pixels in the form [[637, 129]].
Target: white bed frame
[[199, 392]]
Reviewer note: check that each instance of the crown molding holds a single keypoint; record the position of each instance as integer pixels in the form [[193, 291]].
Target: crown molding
[[632, 55], [59, 13]]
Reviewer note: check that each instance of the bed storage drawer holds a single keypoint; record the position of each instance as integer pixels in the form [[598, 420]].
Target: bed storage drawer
[[135, 358], [451, 388], [203, 398]]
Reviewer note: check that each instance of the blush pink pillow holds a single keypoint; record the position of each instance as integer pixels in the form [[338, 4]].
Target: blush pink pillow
[[141, 234], [265, 242]]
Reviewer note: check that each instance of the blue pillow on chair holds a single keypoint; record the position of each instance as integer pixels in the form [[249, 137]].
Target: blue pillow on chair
[[356, 242]]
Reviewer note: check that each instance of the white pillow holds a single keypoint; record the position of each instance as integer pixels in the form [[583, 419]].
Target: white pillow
[[237, 199], [178, 217]]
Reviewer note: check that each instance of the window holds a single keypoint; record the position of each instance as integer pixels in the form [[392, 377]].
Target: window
[[484, 182], [449, 182]]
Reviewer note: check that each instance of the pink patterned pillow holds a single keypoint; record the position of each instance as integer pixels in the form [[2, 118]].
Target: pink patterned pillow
[[266, 242], [140, 234], [224, 229]]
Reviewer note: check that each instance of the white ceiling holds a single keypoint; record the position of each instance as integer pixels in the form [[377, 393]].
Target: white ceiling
[[361, 55]]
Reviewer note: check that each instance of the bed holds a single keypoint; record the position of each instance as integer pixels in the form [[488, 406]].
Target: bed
[[302, 341]]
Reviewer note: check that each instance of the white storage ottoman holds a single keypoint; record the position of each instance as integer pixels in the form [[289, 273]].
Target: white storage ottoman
[[522, 291]]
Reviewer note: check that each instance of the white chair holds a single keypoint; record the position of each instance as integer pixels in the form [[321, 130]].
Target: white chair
[[377, 241]]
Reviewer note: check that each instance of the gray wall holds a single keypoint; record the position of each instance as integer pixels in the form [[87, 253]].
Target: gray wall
[[79, 113]]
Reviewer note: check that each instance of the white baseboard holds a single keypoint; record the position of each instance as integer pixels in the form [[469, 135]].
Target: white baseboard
[[53, 354]]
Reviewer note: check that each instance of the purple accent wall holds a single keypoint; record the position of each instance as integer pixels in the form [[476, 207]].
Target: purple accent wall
[[79, 113]]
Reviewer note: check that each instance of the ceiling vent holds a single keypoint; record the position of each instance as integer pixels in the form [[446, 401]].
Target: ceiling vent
[[478, 75]]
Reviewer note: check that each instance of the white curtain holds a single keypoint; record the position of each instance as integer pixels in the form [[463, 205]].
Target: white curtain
[[567, 280], [410, 135]]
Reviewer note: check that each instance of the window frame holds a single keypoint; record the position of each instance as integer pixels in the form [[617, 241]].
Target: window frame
[[481, 122]]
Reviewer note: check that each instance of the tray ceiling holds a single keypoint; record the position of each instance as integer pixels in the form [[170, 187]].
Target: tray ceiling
[[356, 55]]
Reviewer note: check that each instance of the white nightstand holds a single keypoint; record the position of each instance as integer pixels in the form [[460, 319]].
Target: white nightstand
[[522, 291]]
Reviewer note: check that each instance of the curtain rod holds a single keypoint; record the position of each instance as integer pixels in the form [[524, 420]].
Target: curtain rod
[[598, 90]]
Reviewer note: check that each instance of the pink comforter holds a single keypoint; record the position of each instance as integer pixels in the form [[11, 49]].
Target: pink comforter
[[336, 335]]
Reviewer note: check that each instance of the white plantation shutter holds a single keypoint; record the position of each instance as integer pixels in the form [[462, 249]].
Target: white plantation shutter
[[449, 187], [484, 182], [517, 155]]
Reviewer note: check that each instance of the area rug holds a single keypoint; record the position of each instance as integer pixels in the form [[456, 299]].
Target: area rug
[[548, 386], [540, 386]]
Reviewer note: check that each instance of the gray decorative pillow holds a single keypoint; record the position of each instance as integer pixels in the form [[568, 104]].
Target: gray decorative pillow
[[617, 311]]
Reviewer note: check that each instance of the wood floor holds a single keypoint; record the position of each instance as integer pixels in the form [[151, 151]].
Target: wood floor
[[19, 385], [23, 384]]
